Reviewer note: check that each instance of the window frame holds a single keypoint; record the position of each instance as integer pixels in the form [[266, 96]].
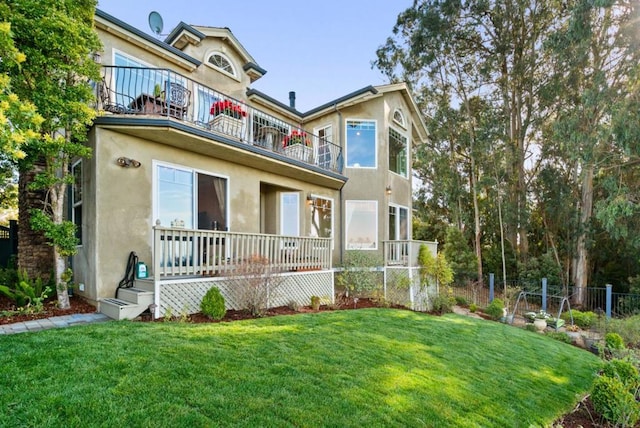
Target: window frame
[[398, 222], [406, 153], [75, 203], [375, 144], [194, 191], [347, 218], [286, 222], [314, 199], [323, 149], [234, 74]]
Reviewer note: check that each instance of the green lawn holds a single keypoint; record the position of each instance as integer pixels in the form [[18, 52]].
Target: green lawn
[[369, 367]]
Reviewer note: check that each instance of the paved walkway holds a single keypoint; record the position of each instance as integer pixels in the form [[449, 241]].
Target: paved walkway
[[53, 322]]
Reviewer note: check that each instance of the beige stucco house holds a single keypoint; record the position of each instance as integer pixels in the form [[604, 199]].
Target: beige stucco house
[[198, 173]]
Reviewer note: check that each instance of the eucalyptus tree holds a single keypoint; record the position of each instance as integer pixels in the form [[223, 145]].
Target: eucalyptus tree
[[57, 39], [458, 51], [594, 130]]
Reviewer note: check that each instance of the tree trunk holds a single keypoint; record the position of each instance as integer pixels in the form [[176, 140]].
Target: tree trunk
[[582, 252], [57, 198]]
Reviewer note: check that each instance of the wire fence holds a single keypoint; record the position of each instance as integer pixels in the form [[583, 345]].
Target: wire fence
[[593, 298]]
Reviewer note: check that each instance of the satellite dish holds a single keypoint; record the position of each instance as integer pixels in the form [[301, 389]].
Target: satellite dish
[[155, 22]]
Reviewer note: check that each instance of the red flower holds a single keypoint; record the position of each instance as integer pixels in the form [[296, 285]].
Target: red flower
[[229, 108], [296, 137]]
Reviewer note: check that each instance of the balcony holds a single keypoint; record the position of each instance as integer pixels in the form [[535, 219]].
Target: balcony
[[162, 92], [184, 252]]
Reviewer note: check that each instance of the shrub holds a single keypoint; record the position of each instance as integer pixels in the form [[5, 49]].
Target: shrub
[[26, 293], [495, 309], [628, 328], [584, 320], [442, 303], [625, 371], [560, 336], [212, 304], [473, 307], [612, 400], [461, 301], [613, 341], [358, 272], [293, 305]]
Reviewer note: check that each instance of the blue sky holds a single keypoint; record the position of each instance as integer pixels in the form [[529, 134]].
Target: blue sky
[[320, 50]]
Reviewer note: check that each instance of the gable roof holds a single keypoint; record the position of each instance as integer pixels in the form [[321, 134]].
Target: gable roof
[[137, 37]]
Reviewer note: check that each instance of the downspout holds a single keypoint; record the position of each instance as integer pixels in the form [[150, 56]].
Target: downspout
[[342, 225]]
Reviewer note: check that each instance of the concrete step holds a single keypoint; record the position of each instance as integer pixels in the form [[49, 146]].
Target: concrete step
[[120, 309], [136, 295], [144, 284]]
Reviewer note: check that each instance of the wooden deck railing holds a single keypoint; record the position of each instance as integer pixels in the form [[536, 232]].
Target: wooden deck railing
[[405, 253], [184, 252]]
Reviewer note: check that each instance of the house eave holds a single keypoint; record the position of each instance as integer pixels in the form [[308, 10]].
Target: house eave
[[112, 25], [176, 134]]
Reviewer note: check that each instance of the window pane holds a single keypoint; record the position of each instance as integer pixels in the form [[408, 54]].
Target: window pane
[[212, 202], [290, 214], [175, 197], [321, 218], [362, 225], [404, 224], [392, 223], [397, 153], [361, 144]]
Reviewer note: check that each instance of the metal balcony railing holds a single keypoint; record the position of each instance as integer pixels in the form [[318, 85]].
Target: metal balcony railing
[[158, 91]]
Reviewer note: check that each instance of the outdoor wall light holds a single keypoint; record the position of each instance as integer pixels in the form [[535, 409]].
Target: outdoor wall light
[[97, 58], [309, 199], [128, 162], [388, 190]]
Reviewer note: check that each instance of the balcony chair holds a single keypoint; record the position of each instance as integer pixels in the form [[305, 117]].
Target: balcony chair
[[177, 99], [114, 102]]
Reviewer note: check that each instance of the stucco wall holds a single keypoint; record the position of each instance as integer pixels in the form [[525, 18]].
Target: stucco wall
[[120, 212]]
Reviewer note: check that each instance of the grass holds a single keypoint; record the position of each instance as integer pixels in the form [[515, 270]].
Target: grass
[[370, 367]]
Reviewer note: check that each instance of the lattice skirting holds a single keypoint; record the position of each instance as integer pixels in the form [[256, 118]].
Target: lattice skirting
[[184, 295], [402, 287]]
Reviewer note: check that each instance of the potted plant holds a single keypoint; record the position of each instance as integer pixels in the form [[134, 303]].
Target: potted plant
[[540, 320], [228, 108], [157, 90], [227, 117], [315, 303], [297, 145]]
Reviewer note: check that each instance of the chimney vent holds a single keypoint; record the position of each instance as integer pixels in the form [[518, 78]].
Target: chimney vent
[[292, 99]]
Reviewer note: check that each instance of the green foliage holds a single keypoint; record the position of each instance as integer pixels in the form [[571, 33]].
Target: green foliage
[[495, 309], [612, 399], [537, 268], [473, 307], [212, 304], [62, 235], [628, 328], [584, 320], [623, 370], [461, 301], [27, 293], [433, 268], [461, 258], [57, 39], [358, 273], [560, 336], [443, 302], [614, 341]]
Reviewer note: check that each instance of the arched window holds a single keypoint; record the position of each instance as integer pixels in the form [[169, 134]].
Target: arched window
[[398, 118], [222, 63]]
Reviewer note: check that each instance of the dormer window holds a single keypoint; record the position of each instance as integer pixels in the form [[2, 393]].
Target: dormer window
[[398, 118], [222, 63]]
